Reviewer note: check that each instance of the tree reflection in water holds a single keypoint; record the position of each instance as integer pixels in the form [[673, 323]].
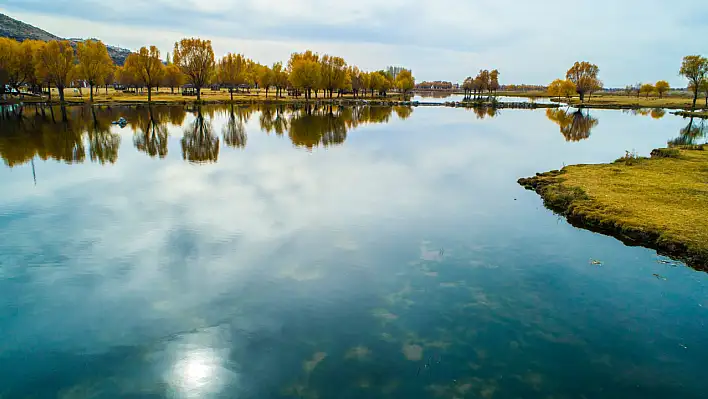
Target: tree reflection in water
[[690, 134], [103, 145], [64, 134], [199, 145], [234, 131], [574, 126], [150, 131]]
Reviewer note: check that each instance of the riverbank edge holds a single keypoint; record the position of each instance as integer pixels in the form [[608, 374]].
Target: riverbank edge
[[692, 114], [589, 104], [299, 102], [563, 200]]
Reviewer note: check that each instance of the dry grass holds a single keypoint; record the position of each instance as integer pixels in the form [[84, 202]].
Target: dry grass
[[619, 101], [665, 198], [165, 96]]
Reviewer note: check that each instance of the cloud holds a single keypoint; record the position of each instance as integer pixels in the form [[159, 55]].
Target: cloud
[[447, 39]]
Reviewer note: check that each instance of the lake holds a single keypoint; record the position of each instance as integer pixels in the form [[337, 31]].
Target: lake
[[371, 252]]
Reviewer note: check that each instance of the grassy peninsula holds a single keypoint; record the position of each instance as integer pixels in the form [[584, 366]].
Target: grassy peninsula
[[658, 202]]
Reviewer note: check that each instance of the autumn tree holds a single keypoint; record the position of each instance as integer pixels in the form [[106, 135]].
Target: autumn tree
[[584, 76], [694, 68], [355, 77], [662, 87], [555, 89], [280, 78], [333, 73], [147, 67], [405, 81], [195, 57], [55, 61], [494, 80], [172, 77], [646, 89], [231, 70], [265, 78], [94, 61], [18, 64], [304, 71]]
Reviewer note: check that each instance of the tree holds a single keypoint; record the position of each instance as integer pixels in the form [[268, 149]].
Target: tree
[[94, 61], [568, 89], [555, 89], [646, 89], [231, 71], [628, 90], [195, 57], [172, 77], [494, 80], [703, 86], [333, 73], [405, 81], [584, 76], [694, 68], [304, 71], [280, 78], [18, 65], [55, 61], [265, 78], [146, 66], [662, 87]]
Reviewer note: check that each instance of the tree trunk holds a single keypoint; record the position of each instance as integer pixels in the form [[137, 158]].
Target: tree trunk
[[91, 91], [582, 96], [172, 90], [199, 93], [49, 88], [61, 94], [149, 94], [695, 97], [231, 91], [266, 91]]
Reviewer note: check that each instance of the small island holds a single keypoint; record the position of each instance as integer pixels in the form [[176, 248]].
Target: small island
[[658, 202]]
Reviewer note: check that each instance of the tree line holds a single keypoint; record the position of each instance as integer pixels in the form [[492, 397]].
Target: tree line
[[485, 81], [58, 64]]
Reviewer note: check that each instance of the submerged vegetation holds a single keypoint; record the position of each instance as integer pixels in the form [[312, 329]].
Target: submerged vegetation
[[658, 202]]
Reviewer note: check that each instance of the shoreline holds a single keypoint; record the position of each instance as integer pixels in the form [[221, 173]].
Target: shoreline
[[595, 198], [318, 102]]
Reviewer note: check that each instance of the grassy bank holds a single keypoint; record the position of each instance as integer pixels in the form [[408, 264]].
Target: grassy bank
[[659, 202], [620, 101], [165, 96]]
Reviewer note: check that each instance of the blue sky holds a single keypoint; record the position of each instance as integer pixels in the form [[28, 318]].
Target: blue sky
[[529, 42]]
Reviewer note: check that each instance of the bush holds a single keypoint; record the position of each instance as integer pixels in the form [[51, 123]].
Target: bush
[[630, 158], [665, 153]]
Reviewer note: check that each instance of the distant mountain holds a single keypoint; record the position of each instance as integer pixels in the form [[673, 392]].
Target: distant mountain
[[21, 31]]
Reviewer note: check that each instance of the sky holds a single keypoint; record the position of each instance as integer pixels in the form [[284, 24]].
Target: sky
[[528, 42]]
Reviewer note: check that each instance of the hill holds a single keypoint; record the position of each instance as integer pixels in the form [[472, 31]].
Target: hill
[[20, 31]]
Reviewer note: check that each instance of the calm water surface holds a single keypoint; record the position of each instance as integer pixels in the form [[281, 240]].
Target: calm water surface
[[329, 253]]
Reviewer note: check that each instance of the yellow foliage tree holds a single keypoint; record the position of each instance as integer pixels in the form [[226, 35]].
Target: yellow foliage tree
[[146, 67], [280, 78], [662, 87], [265, 78], [173, 77], [646, 89], [195, 57], [305, 72], [55, 62], [231, 71], [405, 81], [584, 76], [94, 62], [333, 73]]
